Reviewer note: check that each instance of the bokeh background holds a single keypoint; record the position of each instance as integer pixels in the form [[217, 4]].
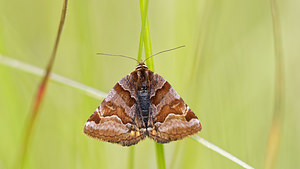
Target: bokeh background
[[225, 74]]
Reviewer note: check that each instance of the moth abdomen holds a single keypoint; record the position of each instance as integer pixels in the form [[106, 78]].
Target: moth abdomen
[[144, 102]]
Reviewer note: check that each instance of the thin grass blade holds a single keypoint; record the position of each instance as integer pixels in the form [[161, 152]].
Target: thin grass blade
[[25, 67], [40, 93], [131, 158], [221, 151], [279, 93]]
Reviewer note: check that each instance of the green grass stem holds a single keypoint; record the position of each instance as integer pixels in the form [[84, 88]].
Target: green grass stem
[[145, 37], [160, 156], [131, 158], [144, 18]]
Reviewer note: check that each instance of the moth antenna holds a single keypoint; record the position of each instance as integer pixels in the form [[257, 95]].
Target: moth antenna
[[164, 51], [118, 55]]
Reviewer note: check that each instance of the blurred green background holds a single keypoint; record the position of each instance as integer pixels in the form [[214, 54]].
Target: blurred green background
[[225, 74]]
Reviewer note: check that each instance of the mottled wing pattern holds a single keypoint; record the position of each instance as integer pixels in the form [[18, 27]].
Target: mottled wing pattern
[[113, 121], [172, 118]]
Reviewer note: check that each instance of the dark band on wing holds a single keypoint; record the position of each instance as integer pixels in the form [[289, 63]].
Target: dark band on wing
[[160, 93], [109, 109], [95, 117], [175, 107], [190, 115], [125, 95]]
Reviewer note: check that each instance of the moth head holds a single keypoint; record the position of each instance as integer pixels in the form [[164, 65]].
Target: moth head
[[141, 65]]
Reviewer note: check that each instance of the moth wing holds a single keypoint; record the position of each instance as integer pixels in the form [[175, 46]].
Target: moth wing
[[113, 120], [172, 118]]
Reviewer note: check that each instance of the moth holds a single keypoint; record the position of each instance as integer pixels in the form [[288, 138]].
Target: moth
[[142, 104]]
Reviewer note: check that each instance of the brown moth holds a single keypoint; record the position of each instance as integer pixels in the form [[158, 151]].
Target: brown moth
[[142, 104]]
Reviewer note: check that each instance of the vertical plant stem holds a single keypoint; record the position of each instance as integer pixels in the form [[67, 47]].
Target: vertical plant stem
[[144, 9], [144, 16], [160, 156], [41, 92], [131, 158], [279, 98], [145, 37]]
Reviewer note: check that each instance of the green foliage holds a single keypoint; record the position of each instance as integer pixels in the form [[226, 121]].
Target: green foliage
[[225, 74]]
